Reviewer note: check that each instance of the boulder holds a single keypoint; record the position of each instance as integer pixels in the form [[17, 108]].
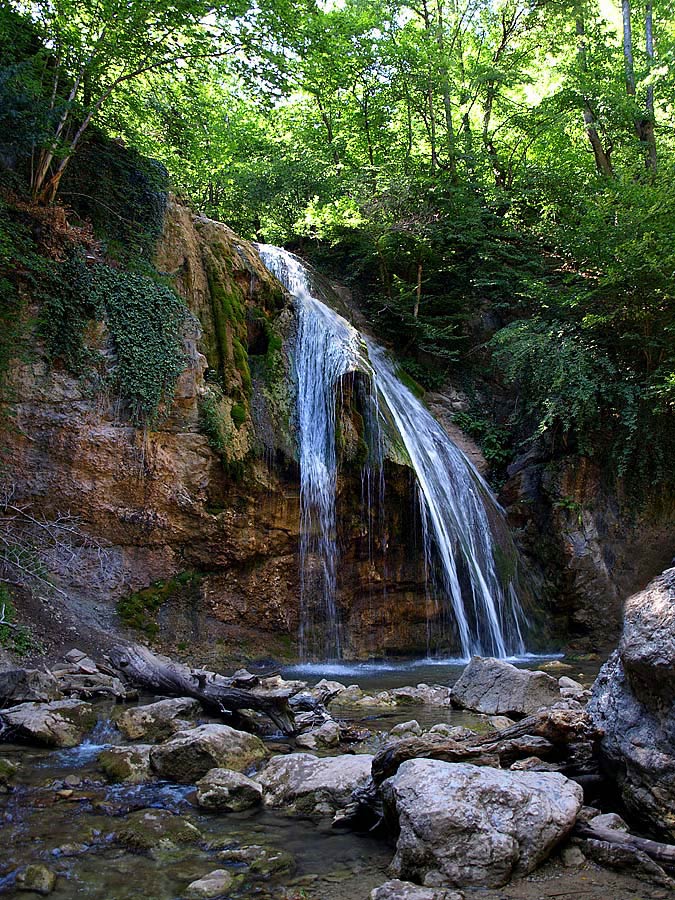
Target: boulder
[[633, 702], [37, 879], [404, 890], [8, 770], [497, 688], [215, 884], [326, 735], [27, 686], [406, 729], [130, 764], [228, 791], [189, 755], [155, 829], [159, 721], [310, 785], [61, 723], [261, 860], [469, 825]]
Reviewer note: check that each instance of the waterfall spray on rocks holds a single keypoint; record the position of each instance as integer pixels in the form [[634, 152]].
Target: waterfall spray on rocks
[[478, 606]]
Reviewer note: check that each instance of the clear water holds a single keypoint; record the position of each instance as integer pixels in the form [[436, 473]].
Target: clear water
[[477, 610]]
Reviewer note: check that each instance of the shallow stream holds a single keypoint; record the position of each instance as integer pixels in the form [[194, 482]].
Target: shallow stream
[[62, 813]]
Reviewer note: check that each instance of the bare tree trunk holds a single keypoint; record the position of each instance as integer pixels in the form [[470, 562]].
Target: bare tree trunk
[[602, 157], [650, 137], [418, 291]]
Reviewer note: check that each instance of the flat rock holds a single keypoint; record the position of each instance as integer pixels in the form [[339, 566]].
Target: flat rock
[[215, 884], [228, 791], [404, 890], [497, 688], [633, 702], [469, 825], [189, 755], [159, 721], [310, 785], [130, 764], [27, 686], [61, 723]]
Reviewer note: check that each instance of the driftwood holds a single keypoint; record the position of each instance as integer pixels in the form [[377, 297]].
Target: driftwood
[[550, 734], [159, 675], [661, 853]]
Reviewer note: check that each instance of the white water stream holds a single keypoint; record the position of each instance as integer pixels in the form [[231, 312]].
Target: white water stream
[[456, 505]]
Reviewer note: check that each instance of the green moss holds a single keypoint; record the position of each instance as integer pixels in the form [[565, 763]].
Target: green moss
[[239, 414], [241, 362], [140, 609], [413, 386]]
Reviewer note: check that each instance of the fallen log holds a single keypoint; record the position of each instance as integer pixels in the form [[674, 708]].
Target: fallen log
[[159, 675], [661, 853], [547, 734]]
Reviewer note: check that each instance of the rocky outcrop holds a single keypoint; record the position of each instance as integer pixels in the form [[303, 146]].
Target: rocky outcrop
[[633, 702], [495, 687], [189, 755], [61, 723], [468, 825], [27, 686], [309, 785], [585, 545]]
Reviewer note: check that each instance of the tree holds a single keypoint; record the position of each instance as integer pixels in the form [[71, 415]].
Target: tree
[[91, 48]]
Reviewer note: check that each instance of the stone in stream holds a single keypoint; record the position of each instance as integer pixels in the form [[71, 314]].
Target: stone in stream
[[27, 686], [326, 735], [61, 723], [406, 729], [469, 825], [404, 890], [633, 702], [37, 879], [130, 764], [260, 860], [215, 884], [8, 770], [189, 755], [310, 785], [157, 722], [148, 830], [228, 791], [497, 688]]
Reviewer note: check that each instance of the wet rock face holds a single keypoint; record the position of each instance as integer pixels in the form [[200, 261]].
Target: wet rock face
[[495, 687], [468, 825], [310, 785], [189, 755], [633, 701], [583, 547]]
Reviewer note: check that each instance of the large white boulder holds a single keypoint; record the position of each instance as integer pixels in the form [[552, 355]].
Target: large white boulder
[[497, 688], [310, 785], [474, 825]]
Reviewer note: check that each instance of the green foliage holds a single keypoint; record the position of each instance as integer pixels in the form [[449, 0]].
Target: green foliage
[[494, 440], [140, 609], [210, 421], [146, 320], [16, 638], [239, 414]]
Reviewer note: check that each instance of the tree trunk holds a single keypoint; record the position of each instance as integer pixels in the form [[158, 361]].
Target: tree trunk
[[602, 157], [418, 290], [650, 138], [152, 673]]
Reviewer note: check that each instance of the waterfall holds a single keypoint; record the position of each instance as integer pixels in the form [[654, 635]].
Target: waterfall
[[457, 507]]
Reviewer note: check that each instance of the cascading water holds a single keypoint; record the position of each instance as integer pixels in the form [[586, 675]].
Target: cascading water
[[456, 505]]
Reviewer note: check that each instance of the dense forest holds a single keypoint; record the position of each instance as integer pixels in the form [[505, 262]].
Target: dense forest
[[493, 179]]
